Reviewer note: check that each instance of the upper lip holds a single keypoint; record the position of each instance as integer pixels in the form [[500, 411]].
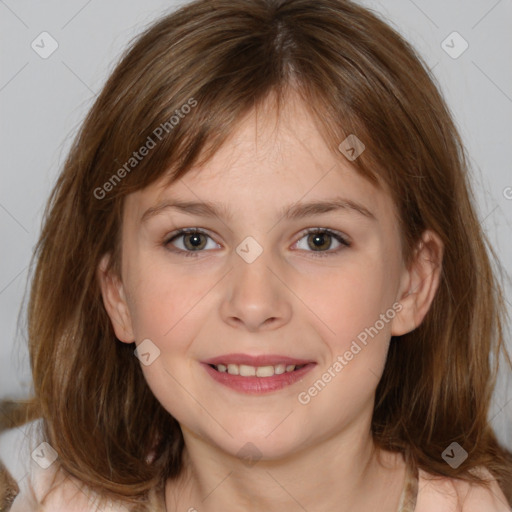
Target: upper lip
[[261, 360]]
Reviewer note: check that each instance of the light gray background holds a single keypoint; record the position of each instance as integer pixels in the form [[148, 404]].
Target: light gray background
[[43, 101]]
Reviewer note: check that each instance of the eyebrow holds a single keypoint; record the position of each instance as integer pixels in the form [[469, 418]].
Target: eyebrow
[[294, 211]]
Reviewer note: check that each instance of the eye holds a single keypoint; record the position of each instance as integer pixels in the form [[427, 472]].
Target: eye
[[319, 239], [193, 241]]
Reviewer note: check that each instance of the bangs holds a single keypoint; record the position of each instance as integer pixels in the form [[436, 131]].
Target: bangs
[[203, 85]]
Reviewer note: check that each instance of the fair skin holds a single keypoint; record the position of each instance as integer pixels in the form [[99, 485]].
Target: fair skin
[[315, 456]]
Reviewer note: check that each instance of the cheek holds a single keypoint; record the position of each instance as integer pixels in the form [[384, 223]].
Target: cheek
[[351, 299], [164, 299], [356, 310], [168, 307]]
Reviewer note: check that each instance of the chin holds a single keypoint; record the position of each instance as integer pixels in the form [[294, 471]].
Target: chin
[[253, 447]]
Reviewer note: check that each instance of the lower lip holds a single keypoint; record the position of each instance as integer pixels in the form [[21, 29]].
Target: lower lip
[[258, 385]]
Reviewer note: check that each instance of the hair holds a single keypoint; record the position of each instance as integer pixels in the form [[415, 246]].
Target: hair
[[225, 58]]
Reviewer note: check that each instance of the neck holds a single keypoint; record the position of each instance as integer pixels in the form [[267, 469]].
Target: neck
[[342, 473]]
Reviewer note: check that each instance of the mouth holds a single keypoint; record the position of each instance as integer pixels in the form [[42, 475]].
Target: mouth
[[257, 374]]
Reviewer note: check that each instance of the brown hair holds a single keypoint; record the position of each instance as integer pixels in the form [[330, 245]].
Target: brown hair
[[357, 76]]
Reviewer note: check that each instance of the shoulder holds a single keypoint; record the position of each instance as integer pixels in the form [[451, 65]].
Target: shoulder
[[451, 495], [43, 488], [52, 491]]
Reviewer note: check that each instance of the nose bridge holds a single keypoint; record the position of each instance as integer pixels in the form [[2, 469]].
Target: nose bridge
[[255, 292]]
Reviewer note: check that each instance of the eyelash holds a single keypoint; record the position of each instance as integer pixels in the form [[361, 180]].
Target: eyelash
[[317, 254]]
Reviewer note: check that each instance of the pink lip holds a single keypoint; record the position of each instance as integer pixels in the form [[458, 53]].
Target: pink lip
[[263, 360], [257, 385]]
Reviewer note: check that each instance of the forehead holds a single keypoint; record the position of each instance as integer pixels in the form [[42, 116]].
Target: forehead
[[267, 162]]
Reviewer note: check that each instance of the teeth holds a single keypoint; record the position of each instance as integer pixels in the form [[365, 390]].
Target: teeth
[[256, 371], [279, 369], [247, 371], [265, 371], [233, 369]]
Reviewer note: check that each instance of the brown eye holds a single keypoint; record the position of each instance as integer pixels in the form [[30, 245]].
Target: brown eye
[[188, 241], [321, 240], [194, 241]]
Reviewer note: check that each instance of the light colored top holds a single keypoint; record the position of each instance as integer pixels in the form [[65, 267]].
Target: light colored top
[[422, 491]]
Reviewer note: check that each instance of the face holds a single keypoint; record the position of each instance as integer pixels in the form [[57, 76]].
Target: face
[[266, 283]]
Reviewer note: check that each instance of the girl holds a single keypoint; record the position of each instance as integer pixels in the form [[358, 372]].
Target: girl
[[261, 283]]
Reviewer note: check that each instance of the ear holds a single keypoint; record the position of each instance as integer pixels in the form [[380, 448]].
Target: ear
[[114, 299], [419, 284]]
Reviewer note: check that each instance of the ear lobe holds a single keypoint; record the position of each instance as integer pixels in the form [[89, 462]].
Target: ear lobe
[[114, 299], [419, 284]]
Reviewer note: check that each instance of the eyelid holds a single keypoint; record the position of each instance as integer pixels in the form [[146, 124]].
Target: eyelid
[[330, 231]]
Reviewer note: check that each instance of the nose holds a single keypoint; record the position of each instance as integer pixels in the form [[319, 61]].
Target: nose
[[256, 296]]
